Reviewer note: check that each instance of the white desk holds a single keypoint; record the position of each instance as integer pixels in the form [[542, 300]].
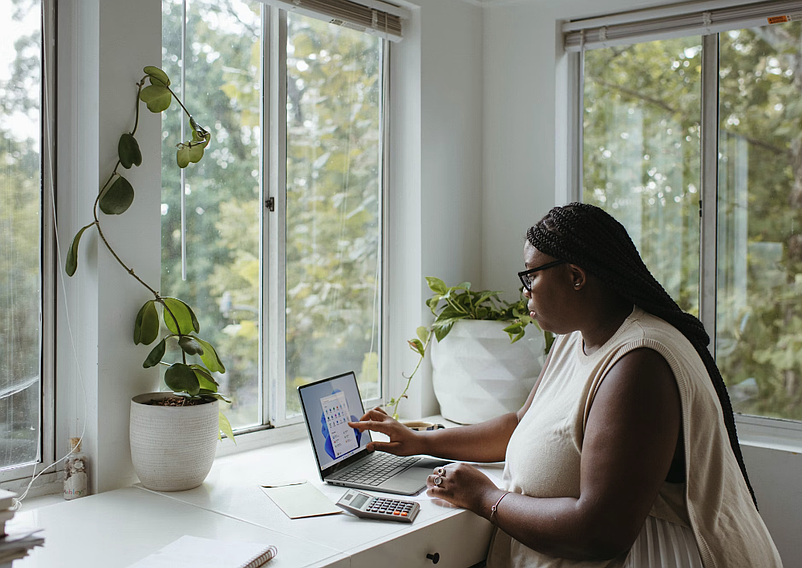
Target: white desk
[[117, 528]]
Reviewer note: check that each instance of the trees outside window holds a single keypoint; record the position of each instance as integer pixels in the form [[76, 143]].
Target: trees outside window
[[642, 131], [290, 288]]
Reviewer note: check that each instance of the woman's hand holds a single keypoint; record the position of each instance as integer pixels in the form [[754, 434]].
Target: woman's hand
[[464, 486], [403, 441]]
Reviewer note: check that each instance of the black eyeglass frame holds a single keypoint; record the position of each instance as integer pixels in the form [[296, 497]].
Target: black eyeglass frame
[[523, 275]]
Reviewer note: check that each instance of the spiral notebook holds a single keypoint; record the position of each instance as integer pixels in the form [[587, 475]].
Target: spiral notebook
[[200, 552]]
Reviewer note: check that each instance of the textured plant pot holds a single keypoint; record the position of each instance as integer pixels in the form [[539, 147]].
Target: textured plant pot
[[478, 374], [172, 448]]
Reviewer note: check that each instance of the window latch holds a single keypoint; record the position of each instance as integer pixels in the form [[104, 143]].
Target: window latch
[[270, 203]]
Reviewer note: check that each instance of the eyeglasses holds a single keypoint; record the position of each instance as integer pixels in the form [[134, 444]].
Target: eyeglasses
[[526, 275]]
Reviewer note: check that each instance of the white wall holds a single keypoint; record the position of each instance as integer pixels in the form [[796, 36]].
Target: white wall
[[435, 206], [524, 117], [103, 47]]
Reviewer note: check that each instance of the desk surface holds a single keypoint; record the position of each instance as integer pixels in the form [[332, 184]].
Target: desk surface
[[120, 527]]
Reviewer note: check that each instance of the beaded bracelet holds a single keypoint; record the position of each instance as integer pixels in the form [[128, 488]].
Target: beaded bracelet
[[495, 507]]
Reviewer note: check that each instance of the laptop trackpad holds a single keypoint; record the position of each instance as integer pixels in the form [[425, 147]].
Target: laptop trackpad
[[412, 480]]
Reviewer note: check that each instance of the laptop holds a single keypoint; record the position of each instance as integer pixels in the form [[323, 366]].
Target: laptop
[[340, 451]]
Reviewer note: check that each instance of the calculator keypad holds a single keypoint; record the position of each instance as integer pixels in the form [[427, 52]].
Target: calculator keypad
[[390, 507]]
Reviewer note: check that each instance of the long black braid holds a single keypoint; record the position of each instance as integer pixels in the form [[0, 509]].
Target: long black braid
[[589, 237]]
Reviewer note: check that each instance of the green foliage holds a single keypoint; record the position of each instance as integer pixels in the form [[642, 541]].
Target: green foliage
[[194, 380], [642, 136], [333, 205], [452, 304]]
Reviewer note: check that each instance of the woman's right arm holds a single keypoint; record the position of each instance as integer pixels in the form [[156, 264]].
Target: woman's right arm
[[483, 442]]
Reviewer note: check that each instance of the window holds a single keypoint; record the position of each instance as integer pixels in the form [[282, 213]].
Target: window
[[719, 229], [26, 270], [281, 223]]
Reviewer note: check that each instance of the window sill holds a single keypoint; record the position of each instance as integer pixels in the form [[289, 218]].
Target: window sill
[[260, 439], [769, 433]]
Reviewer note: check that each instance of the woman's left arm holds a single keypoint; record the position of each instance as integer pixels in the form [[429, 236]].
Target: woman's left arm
[[630, 439]]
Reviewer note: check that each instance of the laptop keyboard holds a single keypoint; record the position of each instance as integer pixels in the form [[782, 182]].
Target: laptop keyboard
[[377, 470]]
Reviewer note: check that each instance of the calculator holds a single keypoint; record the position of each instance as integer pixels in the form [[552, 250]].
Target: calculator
[[382, 508]]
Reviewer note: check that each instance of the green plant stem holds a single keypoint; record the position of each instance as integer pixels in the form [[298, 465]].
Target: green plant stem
[[178, 100], [128, 269], [138, 92], [409, 378]]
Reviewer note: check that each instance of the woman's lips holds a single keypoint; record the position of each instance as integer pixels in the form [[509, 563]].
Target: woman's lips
[[532, 315]]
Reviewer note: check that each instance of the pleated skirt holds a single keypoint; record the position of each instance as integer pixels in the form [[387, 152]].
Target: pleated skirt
[[662, 544]]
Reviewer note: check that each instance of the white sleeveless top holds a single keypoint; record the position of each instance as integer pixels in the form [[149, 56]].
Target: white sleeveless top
[[715, 521]]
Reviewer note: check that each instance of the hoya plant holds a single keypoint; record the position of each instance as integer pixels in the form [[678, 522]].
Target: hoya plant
[[191, 377], [452, 304]]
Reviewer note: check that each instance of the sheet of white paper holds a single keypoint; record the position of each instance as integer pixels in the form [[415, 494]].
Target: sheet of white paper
[[304, 500]]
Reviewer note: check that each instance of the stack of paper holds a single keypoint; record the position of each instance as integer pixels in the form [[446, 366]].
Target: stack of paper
[[15, 545]]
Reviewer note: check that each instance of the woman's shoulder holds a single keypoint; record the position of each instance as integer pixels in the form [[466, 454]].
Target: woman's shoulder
[[646, 326]]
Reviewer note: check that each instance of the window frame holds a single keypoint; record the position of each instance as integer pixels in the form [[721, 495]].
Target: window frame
[[274, 65], [17, 477], [273, 392], [762, 429]]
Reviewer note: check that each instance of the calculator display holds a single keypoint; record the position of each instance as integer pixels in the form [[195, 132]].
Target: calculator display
[[360, 500]]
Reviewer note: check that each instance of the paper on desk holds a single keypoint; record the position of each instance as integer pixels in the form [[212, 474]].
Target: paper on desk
[[301, 500]]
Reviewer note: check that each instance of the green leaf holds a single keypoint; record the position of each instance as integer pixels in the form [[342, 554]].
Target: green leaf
[[211, 394], [190, 152], [225, 427], [156, 74], [441, 331], [198, 131], [117, 197], [436, 285], [210, 357], [72, 254], [423, 333], [155, 355], [157, 97], [128, 151], [416, 346], [190, 345], [146, 327], [179, 317], [432, 303], [181, 378], [205, 378]]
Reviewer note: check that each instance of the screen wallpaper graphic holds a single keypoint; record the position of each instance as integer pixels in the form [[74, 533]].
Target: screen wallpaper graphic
[[336, 402]]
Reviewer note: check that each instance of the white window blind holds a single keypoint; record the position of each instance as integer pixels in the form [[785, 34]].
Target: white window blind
[[372, 16], [696, 18]]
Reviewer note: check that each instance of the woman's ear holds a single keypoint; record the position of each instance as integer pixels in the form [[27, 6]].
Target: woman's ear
[[578, 276]]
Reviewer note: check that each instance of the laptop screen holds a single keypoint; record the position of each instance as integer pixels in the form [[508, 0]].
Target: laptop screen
[[328, 406]]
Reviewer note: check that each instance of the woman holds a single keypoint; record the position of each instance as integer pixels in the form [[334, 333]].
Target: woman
[[625, 453]]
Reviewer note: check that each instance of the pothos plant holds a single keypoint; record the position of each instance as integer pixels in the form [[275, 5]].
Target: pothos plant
[[192, 376], [452, 304]]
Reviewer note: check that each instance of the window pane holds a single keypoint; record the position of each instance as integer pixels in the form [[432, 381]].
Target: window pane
[[333, 226], [759, 304], [222, 192], [641, 153], [20, 220]]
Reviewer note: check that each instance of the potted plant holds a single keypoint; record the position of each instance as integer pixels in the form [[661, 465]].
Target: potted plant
[[479, 373], [173, 433]]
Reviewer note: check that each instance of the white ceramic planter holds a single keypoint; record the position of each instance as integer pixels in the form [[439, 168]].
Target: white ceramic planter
[[172, 448], [478, 374]]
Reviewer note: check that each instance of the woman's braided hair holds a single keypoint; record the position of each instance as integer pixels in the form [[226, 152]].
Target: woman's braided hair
[[589, 237]]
